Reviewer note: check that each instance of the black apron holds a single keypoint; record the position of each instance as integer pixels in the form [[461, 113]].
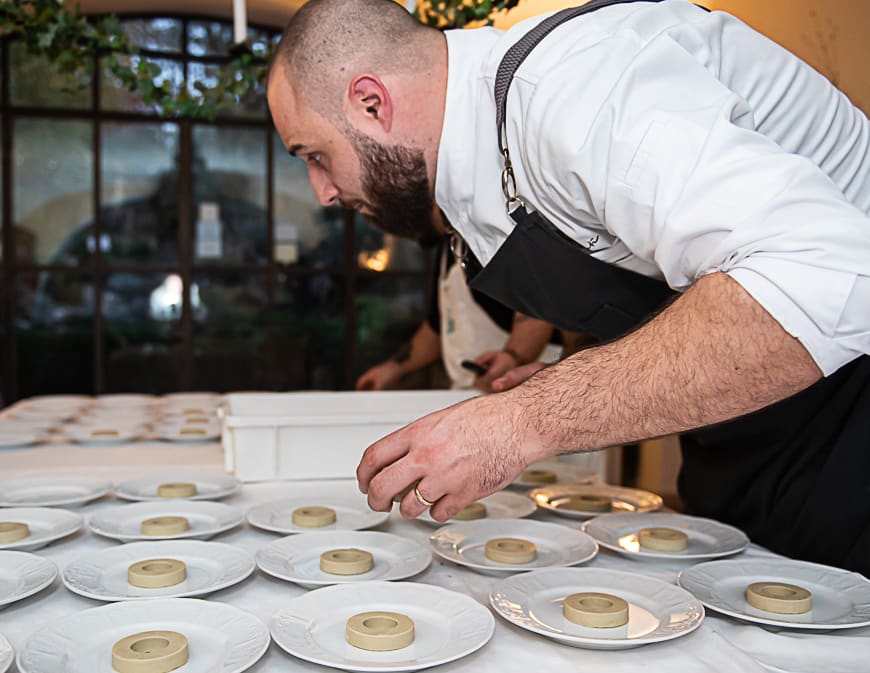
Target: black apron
[[794, 476]]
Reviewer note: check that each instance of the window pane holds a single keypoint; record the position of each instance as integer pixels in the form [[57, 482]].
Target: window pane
[[34, 82], [142, 332], [52, 182], [115, 97], [214, 38], [229, 313], [159, 34], [378, 251], [305, 232], [229, 182], [54, 330], [309, 332], [253, 105], [388, 312], [139, 208]]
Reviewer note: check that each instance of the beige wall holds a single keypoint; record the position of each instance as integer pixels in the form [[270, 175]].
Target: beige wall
[[831, 36]]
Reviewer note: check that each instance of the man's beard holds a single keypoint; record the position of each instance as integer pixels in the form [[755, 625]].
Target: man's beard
[[396, 186]]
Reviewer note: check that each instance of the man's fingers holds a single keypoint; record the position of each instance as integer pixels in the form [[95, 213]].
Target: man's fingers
[[411, 507], [447, 507], [379, 455], [484, 359]]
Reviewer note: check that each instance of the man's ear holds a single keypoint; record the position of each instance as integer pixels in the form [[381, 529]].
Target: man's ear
[[369, 101]]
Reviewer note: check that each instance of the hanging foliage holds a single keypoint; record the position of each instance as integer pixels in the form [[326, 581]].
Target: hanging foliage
[[74, 43]]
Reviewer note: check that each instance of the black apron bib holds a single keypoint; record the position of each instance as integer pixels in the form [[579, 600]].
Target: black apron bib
[[794, 476]]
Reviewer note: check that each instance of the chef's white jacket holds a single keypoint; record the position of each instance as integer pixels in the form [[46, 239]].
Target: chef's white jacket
[[676, 143]]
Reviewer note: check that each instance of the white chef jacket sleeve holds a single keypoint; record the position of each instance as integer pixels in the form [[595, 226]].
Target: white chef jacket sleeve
[[685, 182]]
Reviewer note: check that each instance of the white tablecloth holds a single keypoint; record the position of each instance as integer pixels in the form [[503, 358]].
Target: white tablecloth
[[721, 644]]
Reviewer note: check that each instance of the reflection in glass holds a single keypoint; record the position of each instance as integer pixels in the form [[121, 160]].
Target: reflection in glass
[[54, 332], [305, 232], [114, 96], [52, 183], [251, 105], [35, 82], [309, 331], [389, 310], [230, 344], [377, 251], [229, 185], [139, 208], [142, 332], [157, 34]]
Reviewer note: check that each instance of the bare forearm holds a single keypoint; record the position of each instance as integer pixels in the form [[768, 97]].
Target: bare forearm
[[713, 355], [423, 349], [528, 337]]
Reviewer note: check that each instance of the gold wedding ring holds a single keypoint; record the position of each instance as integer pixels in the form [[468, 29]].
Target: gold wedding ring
[[420, 498]]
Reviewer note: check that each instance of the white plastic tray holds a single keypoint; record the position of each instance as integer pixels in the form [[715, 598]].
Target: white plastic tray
[[316, 435]]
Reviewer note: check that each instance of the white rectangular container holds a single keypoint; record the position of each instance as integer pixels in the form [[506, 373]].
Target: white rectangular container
[[320, 435]]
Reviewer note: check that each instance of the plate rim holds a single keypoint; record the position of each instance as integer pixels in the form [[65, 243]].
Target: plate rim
[[339, 578], [105, 487], [473, 605], [40, 587], [664, 555], [774, 622], [190, 594], [19, 545], [514, 569], [381, 516], [627, 643]]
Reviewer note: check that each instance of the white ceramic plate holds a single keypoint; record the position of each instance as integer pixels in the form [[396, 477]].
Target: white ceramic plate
[[623, 499], [208, 486], [23, 574], [707, 538], [7, 654], [447, 625], [46, 525], [221, 638], [464, 543], [51, 491], [566, 473], [12, 438], [350, 514], [501, 505], [841, 599], [211, 566], [205, 518], [125, 400], [296, 558], [657, 611], [188, 433], [104, 433]]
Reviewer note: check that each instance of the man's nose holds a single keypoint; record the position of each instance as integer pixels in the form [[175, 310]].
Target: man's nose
[[326, 192]]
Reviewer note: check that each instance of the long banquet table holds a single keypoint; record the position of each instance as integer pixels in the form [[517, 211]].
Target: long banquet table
[[721, 644]]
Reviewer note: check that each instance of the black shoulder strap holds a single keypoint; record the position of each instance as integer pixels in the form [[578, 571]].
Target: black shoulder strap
[[518, 52]]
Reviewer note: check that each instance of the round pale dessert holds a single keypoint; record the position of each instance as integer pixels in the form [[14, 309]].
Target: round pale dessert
[[162, 526], [534, 476], [313, 517], [196, 420], [156, 573], [346, 561], [380, 631], [662, 539], [176, 489], [586, 502], [13, 531], [779, 597], [476, 510], [510, 550], [595, 609], [150, 652], [192, 432], [104, 433], [192, 410]]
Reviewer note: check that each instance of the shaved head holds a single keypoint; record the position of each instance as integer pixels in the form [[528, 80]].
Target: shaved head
[[328, 41]]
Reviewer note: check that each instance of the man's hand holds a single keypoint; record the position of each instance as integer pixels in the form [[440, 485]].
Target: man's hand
[[380, 376], [516, 376], [497, 364], [459, 455]]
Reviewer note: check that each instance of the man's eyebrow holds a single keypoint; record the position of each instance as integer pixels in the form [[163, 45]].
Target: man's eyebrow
[[293, 149]]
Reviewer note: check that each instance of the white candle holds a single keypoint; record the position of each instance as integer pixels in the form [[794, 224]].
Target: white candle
[[240, 21]]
